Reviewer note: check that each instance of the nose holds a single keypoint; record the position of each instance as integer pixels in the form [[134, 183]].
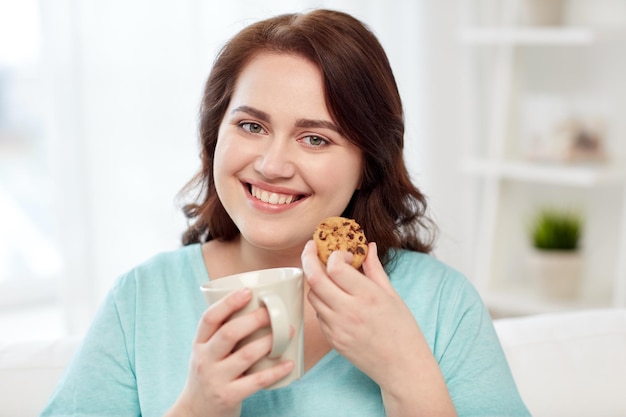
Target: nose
[[275, 159]]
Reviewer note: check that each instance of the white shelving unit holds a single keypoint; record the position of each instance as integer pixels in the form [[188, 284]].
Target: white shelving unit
[[578, 176], [508, 186], [524, 36]]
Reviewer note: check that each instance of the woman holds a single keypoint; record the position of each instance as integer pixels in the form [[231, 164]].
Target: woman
[[300, 120]]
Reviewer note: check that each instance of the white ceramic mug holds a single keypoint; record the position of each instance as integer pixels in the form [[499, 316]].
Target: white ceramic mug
[[280, 291]]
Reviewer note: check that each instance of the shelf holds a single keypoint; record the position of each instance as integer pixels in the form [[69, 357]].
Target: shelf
[[561, 36], [505, 63], [573, 175], [520, 301]]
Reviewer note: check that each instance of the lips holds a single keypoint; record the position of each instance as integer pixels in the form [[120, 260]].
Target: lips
[[272, 197]]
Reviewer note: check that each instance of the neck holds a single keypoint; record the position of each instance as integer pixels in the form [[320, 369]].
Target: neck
[[253, 257], [232, 257]]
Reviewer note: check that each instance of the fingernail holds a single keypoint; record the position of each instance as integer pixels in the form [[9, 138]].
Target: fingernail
[[244, 293]]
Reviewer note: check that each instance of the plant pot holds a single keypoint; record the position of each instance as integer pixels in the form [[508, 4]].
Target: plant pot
[[556, 273]]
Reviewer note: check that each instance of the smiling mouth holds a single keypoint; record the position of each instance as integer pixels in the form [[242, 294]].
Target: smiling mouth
[[271, 197]]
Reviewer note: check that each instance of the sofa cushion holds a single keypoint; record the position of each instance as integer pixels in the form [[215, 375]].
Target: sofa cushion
[[565, 364], [29, 371], [569, 364]]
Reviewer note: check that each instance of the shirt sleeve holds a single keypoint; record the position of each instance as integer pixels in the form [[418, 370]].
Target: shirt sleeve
[[472, 360], [100, 379]]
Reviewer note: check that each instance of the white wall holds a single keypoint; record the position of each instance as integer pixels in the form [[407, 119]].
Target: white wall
[[448, 189]]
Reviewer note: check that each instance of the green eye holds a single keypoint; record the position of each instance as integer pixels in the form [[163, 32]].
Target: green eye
[[316, 141], [252, 127], [255, 128]]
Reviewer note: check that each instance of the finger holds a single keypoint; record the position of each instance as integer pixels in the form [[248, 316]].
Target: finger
[[246, 356], [373, 269], [233, 331], [218, 313], [311, 264], [251, 383], [340, 270], [319, 281], [321, 308]]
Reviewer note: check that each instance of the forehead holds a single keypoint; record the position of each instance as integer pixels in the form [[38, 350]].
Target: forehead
[[276, 61], [272, 78]]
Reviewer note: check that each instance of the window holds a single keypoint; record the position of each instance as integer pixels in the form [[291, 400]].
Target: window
[[30, 259]]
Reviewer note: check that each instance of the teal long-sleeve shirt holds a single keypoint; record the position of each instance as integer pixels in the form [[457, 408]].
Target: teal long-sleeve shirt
[[134, 359]]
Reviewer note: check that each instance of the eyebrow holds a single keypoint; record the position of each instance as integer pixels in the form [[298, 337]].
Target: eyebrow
[[306, 123], [253, 112]]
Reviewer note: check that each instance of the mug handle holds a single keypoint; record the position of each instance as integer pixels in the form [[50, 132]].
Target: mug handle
[[279, 321]]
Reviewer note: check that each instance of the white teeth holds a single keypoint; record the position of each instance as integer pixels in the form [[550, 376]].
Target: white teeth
[[269, 197]]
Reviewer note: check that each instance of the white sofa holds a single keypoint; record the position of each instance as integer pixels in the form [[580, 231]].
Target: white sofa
[[566, 365]]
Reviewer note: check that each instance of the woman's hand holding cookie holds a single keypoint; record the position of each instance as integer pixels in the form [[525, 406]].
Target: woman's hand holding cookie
[[363, 318]]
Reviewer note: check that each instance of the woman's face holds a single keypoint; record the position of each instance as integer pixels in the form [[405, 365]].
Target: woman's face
[[281, 163]]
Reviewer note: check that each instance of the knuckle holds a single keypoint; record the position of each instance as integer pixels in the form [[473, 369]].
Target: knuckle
[[355, 318], [197, 366], [255, 350], [370, 300], [269, 376], [210, 318], [225, 398], [333, 268], [263, 379], [247, 355], [233, 300], [341, 342], [312, 297], [229, 334], [314, 279], [262, 317]]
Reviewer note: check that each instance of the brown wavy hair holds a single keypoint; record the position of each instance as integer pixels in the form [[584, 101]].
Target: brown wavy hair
[[363, 99]]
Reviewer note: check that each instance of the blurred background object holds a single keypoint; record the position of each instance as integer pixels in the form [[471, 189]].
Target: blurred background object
[[543, 103]]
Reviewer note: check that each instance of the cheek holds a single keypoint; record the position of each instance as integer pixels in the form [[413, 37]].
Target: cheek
[[350, 170], [226, 157], [226, 163], [219, 158], [337, 176]]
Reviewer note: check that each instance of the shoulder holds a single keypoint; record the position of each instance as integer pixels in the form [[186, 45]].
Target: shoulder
[[167, 261], [409, 268], [170, 268], [436, 293]]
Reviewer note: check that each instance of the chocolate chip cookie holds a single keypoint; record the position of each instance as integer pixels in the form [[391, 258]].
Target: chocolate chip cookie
[[340, 233]]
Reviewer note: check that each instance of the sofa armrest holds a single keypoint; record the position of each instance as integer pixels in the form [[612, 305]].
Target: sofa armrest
[[29, 371], [569, 364]]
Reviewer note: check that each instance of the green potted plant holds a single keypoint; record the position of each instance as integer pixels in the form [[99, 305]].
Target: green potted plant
[[556, 259], [556, 230]]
